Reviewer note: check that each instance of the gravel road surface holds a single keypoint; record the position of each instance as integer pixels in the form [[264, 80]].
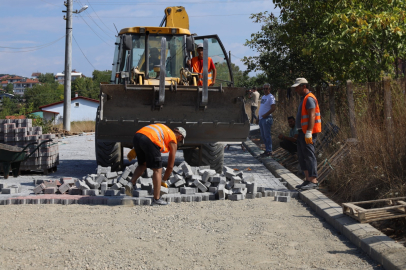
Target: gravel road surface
[[257, 234]]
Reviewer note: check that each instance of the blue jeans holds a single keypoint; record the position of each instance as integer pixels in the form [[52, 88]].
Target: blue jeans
[[265, 125]]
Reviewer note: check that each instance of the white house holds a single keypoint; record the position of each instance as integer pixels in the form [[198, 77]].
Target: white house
[[60, 77], [82, 109]]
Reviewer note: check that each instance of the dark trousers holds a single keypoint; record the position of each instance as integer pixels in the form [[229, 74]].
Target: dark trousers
[[288, 146], [306, 154], [253, 115]]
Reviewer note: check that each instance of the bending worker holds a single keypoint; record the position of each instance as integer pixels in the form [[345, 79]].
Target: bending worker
[[149, 142], [197, 65]]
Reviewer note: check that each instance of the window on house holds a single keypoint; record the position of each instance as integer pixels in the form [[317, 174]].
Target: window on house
[[76, 104]]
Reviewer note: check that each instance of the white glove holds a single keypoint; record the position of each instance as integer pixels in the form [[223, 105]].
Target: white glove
[[308, 137]]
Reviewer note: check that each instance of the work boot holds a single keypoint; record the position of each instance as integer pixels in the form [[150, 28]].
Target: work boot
[[302, 184], [310, 185], [159, 202]]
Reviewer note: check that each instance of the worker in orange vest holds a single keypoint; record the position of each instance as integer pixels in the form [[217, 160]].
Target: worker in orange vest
[[149, 142], [308, 124], [197, 64]]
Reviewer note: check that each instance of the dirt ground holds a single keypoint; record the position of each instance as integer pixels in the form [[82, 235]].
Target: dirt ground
[[258, 234]]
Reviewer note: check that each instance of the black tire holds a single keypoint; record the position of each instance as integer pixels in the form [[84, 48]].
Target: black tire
[[109, 153], [212, 154]]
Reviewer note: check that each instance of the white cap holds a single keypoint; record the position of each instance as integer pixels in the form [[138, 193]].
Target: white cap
[[299, 81], [182, 131], [199, 46]]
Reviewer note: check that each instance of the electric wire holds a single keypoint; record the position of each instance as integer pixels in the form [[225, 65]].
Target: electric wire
[[177, 3], [109, 35], [82, 51], [99, 17], [30, 49], [94, 31], [190, 16]]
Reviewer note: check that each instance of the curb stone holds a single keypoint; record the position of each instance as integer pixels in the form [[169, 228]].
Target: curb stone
[[381, 248]]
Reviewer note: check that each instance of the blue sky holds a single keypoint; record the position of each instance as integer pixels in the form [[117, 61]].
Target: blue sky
[[27, 24]]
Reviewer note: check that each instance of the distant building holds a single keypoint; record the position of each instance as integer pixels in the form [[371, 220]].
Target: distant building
[[60, 77], [19, 83], [3, 95], [82, 109], [35, 75], [20, 86]]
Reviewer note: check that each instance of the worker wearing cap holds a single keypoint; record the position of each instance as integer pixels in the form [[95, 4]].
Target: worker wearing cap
[[197, 64], [149, 142], [308, 124]]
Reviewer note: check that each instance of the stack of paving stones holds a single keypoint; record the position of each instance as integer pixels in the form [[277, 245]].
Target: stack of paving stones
[[186, 184], [20, 132]]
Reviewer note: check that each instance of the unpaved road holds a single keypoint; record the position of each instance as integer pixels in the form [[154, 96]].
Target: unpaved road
[[248, 234], [256, 234]]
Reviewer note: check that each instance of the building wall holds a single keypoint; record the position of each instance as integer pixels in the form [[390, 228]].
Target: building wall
[[84, 111]]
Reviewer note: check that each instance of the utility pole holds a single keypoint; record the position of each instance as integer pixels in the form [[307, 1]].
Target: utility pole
[[68, 63], [68, 67]]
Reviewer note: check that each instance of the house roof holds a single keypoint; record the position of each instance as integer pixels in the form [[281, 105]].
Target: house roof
[[44, 111], [35, 74], [79, 97], [27, 81]]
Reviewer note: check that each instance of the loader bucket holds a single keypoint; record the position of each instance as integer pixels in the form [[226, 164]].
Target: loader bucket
[[125, 109]]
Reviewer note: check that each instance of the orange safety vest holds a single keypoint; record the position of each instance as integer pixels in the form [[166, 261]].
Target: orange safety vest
[[305, 115], [199, 69], [160, 135]]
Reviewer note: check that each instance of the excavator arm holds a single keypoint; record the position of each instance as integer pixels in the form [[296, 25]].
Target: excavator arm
[[175, 17]]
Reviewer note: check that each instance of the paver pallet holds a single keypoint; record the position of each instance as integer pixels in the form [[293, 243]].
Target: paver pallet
[[396, 208]]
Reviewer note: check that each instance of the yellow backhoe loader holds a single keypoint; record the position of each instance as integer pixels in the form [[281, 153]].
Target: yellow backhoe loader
[[151, 82]]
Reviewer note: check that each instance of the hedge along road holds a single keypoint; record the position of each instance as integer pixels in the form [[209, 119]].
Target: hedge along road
[[259, 233]]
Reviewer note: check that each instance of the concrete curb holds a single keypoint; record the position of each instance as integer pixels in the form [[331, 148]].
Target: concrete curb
[[378, 246]]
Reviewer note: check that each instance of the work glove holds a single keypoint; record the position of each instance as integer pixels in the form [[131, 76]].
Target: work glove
[[131, 155], [164, 184], [308, 137]]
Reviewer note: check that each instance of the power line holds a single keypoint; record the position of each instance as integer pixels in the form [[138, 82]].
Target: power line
[[109, 35], [236, 57], [93, 30], [99, 17], [30, 49], [190, 16], [82, 51], [178, 3]]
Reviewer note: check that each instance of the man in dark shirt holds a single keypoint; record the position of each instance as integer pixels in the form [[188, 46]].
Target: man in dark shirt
[[289, 143]]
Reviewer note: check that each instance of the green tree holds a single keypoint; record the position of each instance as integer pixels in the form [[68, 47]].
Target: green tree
[[347, 39], [44, 94], [279, 60], [9, 88], [46, 78], [9, 107]]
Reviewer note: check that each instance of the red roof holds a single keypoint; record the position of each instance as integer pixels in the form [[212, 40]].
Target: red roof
[[4, 82], [86, 98], [28, 81], [15, 117], [35, 74]]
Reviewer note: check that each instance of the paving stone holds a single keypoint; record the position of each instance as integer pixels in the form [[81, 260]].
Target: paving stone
[[38, 189], [251, 196], [164, 191], [187, 190], [75, 191], [282, 198], [197, 198], [117, 186], [173, 190], [112, 192], [200, 186], [236, 197], [242, 186], [81, 185], [140, 193], [180, 183], [111, 175], [50, 190], [63, 188]]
